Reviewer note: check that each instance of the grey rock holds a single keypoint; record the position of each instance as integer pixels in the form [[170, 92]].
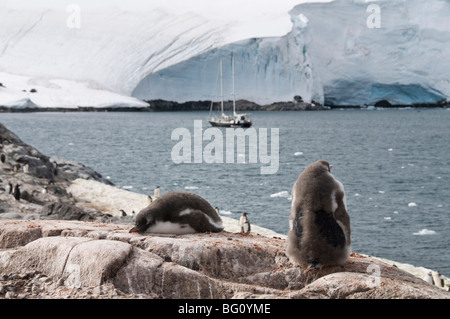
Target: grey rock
[[74, 263]]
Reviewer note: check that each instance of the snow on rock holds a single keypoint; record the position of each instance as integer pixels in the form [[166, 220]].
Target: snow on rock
[[108, 199], [15, 98], [27, 92]]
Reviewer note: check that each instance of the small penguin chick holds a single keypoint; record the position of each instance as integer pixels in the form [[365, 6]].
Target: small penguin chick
[[16, 192], [245, 224], [156, 193]]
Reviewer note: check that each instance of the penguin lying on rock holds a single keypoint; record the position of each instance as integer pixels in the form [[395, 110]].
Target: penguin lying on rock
[[178, 213]]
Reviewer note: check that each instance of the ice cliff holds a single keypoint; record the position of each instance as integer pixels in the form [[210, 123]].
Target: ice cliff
[[116, 53], [403, 60]]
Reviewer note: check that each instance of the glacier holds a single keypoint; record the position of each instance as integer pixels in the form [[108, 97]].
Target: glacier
[[122, 53], [267, 70], [332, 55], [117, 43], [404, 62]]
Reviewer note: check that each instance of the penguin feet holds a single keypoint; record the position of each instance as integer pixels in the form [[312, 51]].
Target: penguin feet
[[314, 265]]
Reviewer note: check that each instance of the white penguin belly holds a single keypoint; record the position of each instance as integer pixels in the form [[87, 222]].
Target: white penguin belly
[[170, 228]]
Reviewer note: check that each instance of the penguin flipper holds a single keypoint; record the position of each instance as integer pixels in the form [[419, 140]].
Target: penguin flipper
[[341, 216], [297, 223], [329, 229]]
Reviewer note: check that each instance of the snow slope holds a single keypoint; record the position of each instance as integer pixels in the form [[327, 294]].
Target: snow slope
[[110, 46]]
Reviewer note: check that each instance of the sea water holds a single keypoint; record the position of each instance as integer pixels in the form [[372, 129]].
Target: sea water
[[394, 164]]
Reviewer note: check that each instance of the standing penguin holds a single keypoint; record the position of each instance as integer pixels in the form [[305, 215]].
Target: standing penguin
[[319, 226], [9, 188], [245, 224], [178, 213], [156, 193], [16, 192]]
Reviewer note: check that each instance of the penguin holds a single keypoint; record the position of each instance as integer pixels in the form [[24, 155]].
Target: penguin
[[3, 158], [9, 188], [245, 224], [429, 278], [123, 213], [178, 212], [16, 192], [156, 193], [319, 225], [438, 281]]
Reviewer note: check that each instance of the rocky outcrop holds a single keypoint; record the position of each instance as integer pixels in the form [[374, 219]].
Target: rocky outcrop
[[68, 259], [43, 183]]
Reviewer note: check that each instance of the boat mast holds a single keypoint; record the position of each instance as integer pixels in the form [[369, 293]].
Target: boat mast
[[234, 95], [221, 88]]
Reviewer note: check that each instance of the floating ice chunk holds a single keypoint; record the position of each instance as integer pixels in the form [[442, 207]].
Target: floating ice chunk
[[127, 187], [412, 205], [225, 212], [395, 211], [387, 218], [390, 150], [381, 192], [357, 195], [190, 187], [280, 194], [298, 153], [424, 232]]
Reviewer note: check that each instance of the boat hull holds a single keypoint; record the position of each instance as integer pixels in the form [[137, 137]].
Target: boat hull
[[234, 125]]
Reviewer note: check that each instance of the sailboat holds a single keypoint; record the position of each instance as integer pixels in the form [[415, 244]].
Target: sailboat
[[236, 120]]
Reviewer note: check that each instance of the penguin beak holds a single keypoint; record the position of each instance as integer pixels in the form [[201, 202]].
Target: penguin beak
[[331, 166], [135, 229]]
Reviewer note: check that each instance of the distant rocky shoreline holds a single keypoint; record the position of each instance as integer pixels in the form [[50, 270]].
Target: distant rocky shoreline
[[172, 106], [242, 105]]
